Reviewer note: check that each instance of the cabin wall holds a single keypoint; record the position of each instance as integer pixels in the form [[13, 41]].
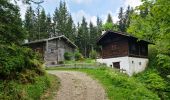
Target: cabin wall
[[124, 63], [129, 65], [115, 49], [51, 53], [55, 51], [63, 47]]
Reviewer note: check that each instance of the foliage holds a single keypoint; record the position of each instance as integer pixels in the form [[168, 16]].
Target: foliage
[[82, 40], [110, 27], [153, 80], [14, 60], [152, 23], [63, 22], [37, 25], [109, 18], [164, 64], [78, 56], [10, 23], [93, 54], [12, 90], [124, 19], [68, 56]]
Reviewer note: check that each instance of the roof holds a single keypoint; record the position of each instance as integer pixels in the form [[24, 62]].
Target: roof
[[58, 37], [123, 34]]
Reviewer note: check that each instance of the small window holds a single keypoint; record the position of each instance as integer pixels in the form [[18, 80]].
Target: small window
[[116, 65], [140, 63], [132, 62], [133, 47], [51, 50]]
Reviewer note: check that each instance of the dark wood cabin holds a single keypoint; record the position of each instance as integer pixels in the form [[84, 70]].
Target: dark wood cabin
[[53, 49], [119, 44]]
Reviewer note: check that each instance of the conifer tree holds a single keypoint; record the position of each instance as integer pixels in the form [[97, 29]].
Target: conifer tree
[[121, 20], [29, 24], [42, 25], [109, 18], [83, 37], [63, 22], [11, 30]]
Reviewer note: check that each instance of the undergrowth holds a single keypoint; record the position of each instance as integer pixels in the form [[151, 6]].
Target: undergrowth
[[12, 90]]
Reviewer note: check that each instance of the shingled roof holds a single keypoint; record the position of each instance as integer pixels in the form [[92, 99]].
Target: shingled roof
[[123, 34]]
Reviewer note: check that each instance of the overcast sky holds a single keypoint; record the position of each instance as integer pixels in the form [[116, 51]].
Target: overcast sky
[[88, 8]]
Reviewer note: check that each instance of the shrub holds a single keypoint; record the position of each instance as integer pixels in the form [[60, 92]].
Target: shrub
[[12, 90], [61, 62], [14, 60], [153, 81], [68, 56], [78, 56], [164, 64], [93, 54]]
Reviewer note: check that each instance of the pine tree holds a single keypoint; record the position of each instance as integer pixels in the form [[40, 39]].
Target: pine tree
[[121, 20], [70, 29], [42, 25], [93, 36], [63, 21], [99, 26], [83, 37], [49, 24], [109, 18], [29, 24], [61, 18], [11, 30]]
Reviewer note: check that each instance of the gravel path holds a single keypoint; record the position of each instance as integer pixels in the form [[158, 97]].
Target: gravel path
[[78, 86]]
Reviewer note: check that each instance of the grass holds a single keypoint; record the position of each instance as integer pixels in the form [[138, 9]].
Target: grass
[[52, 91], [12, 90], [118, 86]]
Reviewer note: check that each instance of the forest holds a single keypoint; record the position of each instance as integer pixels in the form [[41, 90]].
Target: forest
[[149, 21]]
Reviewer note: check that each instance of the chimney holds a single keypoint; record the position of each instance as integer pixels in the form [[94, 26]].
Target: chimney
[[26, 41], [103, 32]]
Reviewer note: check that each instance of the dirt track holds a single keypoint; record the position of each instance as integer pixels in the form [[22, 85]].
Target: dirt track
[[78, 86]]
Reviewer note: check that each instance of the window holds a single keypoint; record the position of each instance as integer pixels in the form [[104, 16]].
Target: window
[[140, 63], [132, 62], [50, 50], [116, 65], [133, 47], [143, 49], [115, 46]]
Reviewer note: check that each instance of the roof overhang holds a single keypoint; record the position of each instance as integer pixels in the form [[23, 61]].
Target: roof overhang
[[122, 34], [53, 38]]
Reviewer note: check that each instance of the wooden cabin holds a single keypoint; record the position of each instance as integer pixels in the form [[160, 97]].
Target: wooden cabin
[[123, 51], [53, 49]]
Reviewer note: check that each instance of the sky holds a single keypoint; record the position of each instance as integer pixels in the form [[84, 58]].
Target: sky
[[90, 9]]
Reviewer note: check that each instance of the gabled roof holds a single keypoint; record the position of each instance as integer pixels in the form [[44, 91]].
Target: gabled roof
[[58, 37], [122, 34]]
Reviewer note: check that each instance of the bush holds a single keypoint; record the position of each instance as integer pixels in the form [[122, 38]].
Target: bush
[[93, 54], [68, 56], [78, 56], [164, 64], [61, 62], [12, 90], [15, 60], [153, 81]]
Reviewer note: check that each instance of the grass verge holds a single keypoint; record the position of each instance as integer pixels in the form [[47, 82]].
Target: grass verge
[[12, 90], [119, 86]]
